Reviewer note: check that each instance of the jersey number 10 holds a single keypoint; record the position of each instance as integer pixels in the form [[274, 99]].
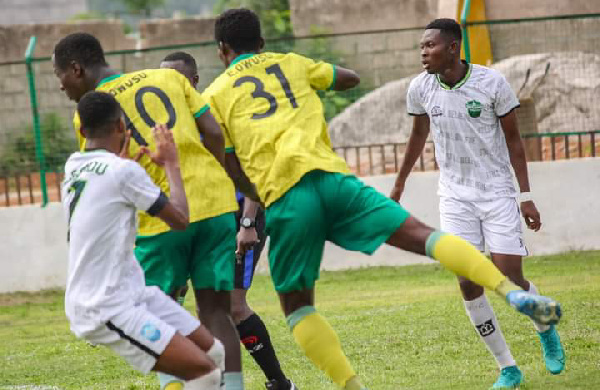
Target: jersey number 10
[[139, 105], [259, 90]]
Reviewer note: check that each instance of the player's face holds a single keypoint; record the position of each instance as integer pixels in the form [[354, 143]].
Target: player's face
[[182, 68], [434, 51], [71, 82]]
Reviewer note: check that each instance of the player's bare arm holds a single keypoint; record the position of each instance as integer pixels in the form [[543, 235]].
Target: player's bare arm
[[345, 79], [519, 164], [175, 213], [247, 236], [241, 181], [416, 143], [212, 137]]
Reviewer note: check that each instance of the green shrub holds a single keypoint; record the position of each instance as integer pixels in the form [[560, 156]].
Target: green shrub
[[17, 156]]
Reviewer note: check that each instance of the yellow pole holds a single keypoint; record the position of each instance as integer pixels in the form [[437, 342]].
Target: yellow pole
[[478, 36]]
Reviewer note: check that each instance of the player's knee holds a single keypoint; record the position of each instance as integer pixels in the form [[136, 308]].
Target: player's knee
[[237, 312], [211, 303], [240, 311]]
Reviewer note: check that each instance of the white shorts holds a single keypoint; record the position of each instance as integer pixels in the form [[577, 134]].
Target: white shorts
[[496, 223], [141, 333]]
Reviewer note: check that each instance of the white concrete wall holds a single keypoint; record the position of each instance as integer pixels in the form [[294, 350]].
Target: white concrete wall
[[33, 250], [565, 192]]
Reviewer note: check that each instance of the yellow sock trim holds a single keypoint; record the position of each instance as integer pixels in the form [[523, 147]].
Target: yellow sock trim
[[174, 386], [465, 260], [321, 344], [505, 287], [354, 384]]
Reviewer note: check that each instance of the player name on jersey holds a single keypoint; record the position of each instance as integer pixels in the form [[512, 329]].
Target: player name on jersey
[[248, 63]]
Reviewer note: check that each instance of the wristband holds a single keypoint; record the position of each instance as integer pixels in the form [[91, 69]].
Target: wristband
[[525, 197]]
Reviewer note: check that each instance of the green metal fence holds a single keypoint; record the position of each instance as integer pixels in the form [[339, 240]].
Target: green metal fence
[[562, 97]]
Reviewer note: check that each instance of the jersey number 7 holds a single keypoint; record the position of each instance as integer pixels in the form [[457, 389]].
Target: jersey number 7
[[75, 190], [259, 90]]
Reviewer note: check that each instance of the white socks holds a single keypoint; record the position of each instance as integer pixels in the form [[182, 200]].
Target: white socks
[[482, 317], [210, 381], [539, 327], [217, 354]]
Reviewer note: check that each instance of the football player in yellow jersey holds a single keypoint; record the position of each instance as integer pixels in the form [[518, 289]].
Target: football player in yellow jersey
[[204, 252], [251, 240], [276, 133]]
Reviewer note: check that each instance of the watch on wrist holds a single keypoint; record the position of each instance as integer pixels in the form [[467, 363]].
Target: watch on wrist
[[246, 222]]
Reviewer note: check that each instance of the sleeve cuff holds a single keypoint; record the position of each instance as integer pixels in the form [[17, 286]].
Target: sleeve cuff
[[158, 205], [415, 114], [509, 111], [333, 78], [202, 111]]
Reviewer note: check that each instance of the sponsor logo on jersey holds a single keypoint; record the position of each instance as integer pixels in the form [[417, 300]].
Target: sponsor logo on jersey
[[486, 329], [474, 108], [437, 111], [150, 332]]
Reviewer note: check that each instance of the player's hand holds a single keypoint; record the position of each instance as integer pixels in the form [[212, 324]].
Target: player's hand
[[531, 215], [397, 192], [246, 239], [166, 151], [124, 153]]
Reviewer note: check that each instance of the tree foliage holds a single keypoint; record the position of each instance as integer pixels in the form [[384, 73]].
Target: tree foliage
[[142, 6], [274, 14]]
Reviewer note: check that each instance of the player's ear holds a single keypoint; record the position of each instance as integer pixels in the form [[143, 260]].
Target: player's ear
[[195, 80], [261, 45], [77, 69], [454, 47], [121, 128]]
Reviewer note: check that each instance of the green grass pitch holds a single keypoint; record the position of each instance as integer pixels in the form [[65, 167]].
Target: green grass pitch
[[402, 328]]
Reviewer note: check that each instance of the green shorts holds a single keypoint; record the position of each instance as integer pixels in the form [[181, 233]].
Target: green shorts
[[325, 206], [204, 253]]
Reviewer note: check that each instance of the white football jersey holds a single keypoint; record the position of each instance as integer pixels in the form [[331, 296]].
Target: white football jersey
[[101, 193], [470, 147]]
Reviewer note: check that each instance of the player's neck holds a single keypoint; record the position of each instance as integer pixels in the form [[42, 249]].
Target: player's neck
[[101, 73], [453, 74], [107, 144]]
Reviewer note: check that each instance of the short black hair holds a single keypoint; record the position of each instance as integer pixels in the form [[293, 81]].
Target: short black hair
[[82, 48], [186, 58], [98, 111], [448, 27], [240, 29]]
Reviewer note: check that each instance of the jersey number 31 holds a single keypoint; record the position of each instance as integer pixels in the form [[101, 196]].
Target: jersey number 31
[[259, 90]]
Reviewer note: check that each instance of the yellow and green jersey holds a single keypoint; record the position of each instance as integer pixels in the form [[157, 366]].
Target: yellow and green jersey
[[273, 119], [165, 96]]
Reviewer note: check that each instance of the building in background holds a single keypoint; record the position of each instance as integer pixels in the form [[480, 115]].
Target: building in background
[[57, 11]]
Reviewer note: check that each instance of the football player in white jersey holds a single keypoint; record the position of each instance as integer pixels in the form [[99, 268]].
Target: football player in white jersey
[[106, 299], [470, 110]]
